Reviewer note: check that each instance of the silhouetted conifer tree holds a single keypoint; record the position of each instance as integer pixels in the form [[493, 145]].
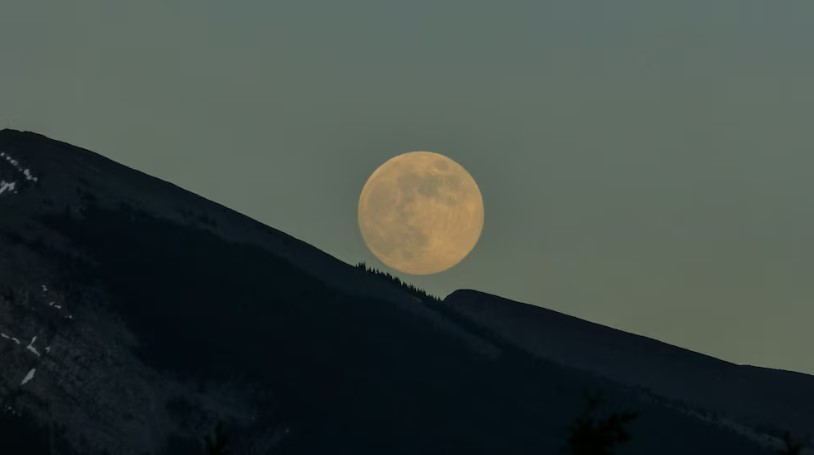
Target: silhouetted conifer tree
[[791, 446], [216, 443], [592, 435], [420, 293]]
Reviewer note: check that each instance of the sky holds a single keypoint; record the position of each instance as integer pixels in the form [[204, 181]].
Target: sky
[[646, 165]]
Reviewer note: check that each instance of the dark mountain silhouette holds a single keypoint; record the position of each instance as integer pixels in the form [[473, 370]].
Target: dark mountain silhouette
[[772, 401], [135, 317]]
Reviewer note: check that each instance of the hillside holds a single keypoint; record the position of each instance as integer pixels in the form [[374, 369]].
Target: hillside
[[761, 398], [135, 315]]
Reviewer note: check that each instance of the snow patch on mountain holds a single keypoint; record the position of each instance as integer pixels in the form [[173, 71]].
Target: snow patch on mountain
[[31, 347], [19, 168], [28, 376], [6, 186]]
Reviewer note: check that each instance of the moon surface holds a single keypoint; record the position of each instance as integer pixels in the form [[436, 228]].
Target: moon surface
[[420, 213]]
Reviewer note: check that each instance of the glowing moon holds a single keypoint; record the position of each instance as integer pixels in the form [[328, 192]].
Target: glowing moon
[[420, 213]]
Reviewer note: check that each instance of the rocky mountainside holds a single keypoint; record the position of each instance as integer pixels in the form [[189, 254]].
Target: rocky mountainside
[[135, 315]]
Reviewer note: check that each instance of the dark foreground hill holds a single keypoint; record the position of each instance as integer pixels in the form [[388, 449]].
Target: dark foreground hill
[[135, 315]]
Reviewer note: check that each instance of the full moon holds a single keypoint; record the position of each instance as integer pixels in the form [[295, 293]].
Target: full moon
[[420, 213]]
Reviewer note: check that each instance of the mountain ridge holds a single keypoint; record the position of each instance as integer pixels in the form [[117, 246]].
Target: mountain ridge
[[303, 255], [151, 313], [615, 354]]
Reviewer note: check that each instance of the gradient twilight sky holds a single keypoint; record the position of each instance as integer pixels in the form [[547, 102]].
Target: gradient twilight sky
[[646, 165]]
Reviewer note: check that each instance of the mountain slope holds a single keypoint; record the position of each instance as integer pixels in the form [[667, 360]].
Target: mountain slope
[[757, 397], [134, 315]]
